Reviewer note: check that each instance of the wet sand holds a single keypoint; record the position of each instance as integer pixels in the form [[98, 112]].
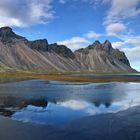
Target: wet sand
[[123, 125]]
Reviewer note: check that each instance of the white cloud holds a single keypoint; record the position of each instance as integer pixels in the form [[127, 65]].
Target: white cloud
[[23, 13], [120, 9], [93, 35], [80, 105], [74, 42], [77, 42], [73, 104], [134, 41], [115, 24], [133, 52], [118, 44], [115, 28], [134, 56], [62, 1]]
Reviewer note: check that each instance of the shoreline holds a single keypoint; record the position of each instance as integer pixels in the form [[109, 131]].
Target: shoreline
[[106, 126], [97, 78]]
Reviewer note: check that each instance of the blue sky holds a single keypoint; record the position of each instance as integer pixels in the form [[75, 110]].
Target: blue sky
[[77, 23]]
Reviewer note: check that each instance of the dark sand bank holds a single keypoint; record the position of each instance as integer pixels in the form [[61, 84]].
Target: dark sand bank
[[8, 79], [123, 125], [97, 78]]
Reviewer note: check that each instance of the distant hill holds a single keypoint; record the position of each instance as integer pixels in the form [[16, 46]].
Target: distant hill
[[19, 53]]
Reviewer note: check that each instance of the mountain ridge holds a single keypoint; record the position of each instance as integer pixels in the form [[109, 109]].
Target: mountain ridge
[[18, 52]]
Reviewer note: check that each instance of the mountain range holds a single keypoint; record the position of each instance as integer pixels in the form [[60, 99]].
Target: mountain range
[[19, 53]]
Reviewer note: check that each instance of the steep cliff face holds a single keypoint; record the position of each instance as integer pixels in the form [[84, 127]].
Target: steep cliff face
[[17, 52], [42, 45], [103, 58]]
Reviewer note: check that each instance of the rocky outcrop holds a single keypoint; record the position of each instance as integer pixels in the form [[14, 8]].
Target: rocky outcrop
[[61, 50], [42, 45], [8, 36], [18, 52], [103, 58]]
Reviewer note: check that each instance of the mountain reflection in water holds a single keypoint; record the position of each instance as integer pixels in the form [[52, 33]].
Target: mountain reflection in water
[[61, 102], [9, 105]]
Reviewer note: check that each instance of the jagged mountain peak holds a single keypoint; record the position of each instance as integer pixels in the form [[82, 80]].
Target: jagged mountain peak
[[103, 57], [97, 42], [96, 45], [7, 35], [61, 50], [40, 44], [6, 29], [107, 42], [107, 46], [6, 32], [18, 52]]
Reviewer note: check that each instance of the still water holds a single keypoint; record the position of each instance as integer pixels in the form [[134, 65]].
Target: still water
[[55, 102]]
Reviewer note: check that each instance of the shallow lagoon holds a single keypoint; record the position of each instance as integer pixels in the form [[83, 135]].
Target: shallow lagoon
[[57, 102]]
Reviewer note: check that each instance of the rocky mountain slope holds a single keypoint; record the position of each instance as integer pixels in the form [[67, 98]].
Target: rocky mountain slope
[[18, 52], [103, 58]]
